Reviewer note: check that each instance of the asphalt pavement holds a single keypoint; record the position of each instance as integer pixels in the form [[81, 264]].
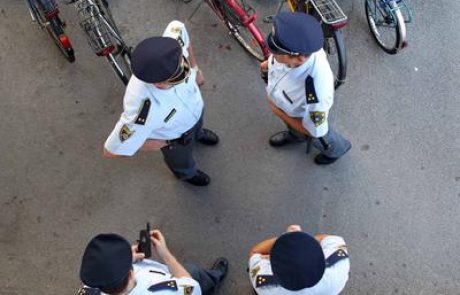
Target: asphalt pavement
[[394, 197]]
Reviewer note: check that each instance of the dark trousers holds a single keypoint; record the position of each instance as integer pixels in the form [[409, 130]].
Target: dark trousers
[[207, 278], [179, 157], [337, 145]]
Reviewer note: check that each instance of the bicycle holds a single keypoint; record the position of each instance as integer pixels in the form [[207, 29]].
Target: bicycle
[[332, 20], [103, 35], [387, 22], [46, 14], [239, 17]]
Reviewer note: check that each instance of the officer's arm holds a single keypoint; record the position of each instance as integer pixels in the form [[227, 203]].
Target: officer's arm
[[194, 64], [108, 154], [263, 247], [320, 237]]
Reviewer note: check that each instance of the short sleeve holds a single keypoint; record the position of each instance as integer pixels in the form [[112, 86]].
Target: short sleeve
[[189, 283], [178, 31], [126, 138]]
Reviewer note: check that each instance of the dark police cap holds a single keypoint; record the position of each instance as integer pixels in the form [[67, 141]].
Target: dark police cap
[[106, 262], [295, 33], [156, 59], [297, 261]]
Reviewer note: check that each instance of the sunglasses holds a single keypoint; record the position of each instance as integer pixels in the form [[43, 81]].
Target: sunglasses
[[181, 74]]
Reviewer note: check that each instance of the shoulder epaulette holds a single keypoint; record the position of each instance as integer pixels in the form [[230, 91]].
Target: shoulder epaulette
[[143, 113], [310, 92], [167, 285], [336, 257], [265, 280], [88, 291]]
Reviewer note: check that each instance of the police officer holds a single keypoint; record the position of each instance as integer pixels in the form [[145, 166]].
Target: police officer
[[301, 85], [297, 263], [111, 266], [163, 107]]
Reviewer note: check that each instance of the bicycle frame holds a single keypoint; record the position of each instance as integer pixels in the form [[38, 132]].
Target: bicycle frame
[[246, 19]]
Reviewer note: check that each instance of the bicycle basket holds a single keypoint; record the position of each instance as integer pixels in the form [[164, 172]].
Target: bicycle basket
[[329, 10], [100, 39]]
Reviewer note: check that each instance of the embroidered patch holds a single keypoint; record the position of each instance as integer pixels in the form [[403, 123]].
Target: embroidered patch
[[254, 271], [125, 133], [318, 118], [176, 30], [310, 92], [188, 290]]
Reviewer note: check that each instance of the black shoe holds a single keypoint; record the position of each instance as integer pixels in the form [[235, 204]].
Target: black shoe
[[221, 265], [325, 160], [209, 137], [200, 179], [283, 138]]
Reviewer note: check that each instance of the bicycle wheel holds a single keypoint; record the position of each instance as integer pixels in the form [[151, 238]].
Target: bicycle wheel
[[60, 39], [121, 63], [334, 46], [386, 24], [246, 39], [246, 33], [55, 28]]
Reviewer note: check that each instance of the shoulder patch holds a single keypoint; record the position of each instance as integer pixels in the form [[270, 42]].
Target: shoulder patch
[[265, 280], [310, 92], [336, 257], [254, 271], [88, 291], [143, 112], [318, 118], [166, 285], [188, 290], [125, 133]]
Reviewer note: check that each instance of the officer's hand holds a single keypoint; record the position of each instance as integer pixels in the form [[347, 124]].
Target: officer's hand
[[159, 243], [264, 66], [293, 228], [153, 145], [137, 256], [199, 78]]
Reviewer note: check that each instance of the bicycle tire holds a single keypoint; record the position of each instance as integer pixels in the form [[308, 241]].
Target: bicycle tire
[[393, 19], [334, 46], [60, 39], [54, 27], [121, 64], [246, 39], [247, 35]]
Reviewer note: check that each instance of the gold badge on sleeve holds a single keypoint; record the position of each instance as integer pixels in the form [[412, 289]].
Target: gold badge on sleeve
[[125, 133]]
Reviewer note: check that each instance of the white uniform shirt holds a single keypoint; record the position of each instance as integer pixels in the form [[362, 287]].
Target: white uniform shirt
[[172, 111], [332, 282], [286, 88], [148, 272]]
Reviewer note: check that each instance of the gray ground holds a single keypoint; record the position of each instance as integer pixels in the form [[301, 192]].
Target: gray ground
[[394, 196]]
